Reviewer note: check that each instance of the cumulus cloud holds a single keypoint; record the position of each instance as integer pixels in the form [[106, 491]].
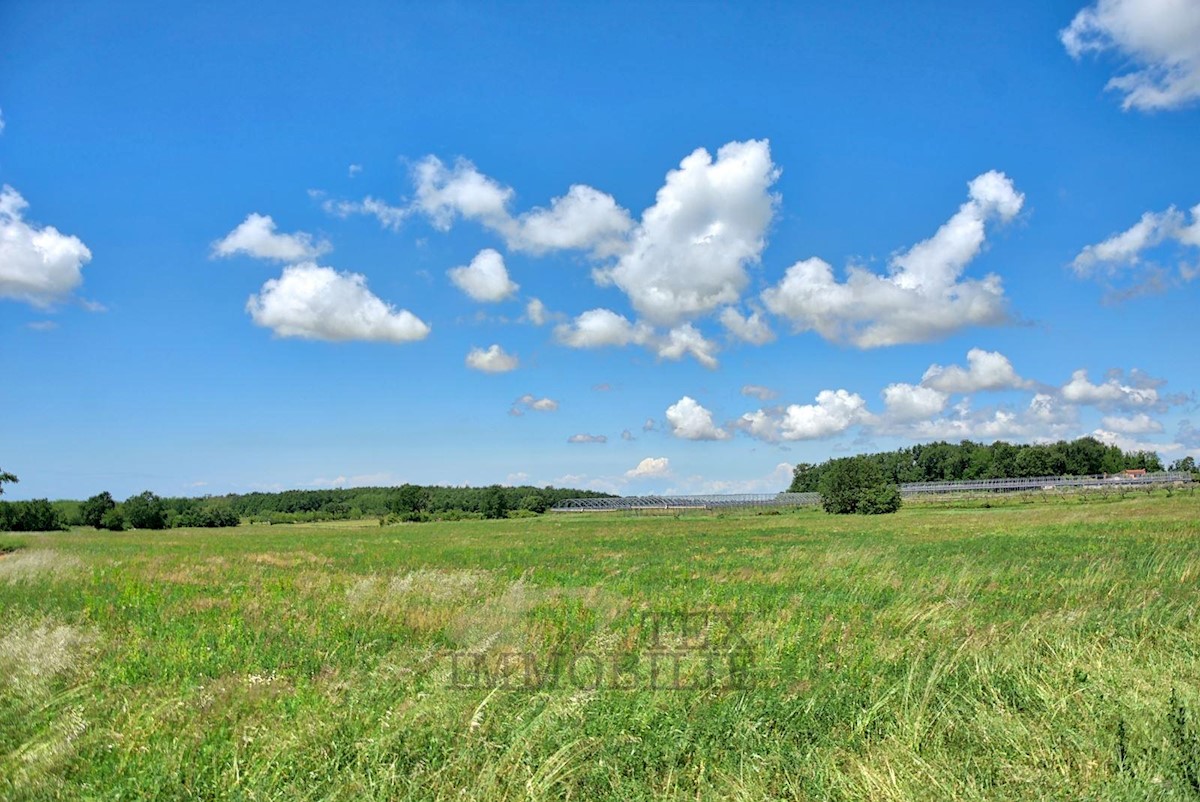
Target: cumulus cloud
[[257, 237], [1123, 255], [1116, 391], [1126, 443], [319, 303], [485, 279], [531, 402], [627, 435], [923, 297], [445, 193], [597, 328], [1161, 38], [492, 360], [758, 391], [752, 329], [587, 438], [690, 421], [583, 219], [986, 370], [38, 265], [1141, 423], [834, 412], [906, 402], [650, 468], [687, 340], [689, 254]]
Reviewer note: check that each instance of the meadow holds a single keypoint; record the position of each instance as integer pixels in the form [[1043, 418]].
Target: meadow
[[1024, 651]]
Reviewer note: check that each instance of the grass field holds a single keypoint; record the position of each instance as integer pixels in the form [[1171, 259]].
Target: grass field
[[1026, 651]]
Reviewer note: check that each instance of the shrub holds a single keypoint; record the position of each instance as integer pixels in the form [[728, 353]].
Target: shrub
[[113, 520]]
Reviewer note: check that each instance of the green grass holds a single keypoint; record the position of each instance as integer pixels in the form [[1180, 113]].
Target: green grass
[[1026, 651]]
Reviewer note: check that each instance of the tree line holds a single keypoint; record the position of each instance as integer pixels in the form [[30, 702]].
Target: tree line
[[943, 461], [389, 504]]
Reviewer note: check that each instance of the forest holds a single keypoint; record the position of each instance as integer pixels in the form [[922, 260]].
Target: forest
[[942, 461]]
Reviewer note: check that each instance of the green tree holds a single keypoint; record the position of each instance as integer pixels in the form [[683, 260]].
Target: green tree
[[145, 511], [93, 510], [7, 478], [494, 503], [1186, 464], [804, 478], [857, 484], [113, 520]]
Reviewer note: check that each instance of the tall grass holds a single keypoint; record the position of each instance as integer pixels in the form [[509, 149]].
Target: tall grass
[[1028, 651]]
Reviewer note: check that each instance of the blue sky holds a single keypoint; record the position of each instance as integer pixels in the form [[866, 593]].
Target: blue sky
[[636, 247]]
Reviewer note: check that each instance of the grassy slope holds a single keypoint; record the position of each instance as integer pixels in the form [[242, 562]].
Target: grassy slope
[[1029, 651]]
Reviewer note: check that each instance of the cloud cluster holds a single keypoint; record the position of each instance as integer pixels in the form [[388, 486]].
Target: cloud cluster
[[38, 265], [319, 303], [924, 296], [601, 328], [1160, 37], [256, 236], [1123, 255], [924, 411]]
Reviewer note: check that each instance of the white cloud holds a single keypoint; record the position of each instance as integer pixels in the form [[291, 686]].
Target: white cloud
[[687, 340], [37, 265], [584, 219], [834, 412], [1141, 423], [587, 438], [353, 170], [492, 360], [690, 421], [1126, 443], [986, 370], [444, 193], [649, 468], [1160, 37], [759, 392], [1122, 253], [751, 329], [627, 435], [389, 216], [319, 303], [256, 236], [2, 121], [536, 312], [485, 279], [597, 328], [924, 296], [529, 401], [42, 325], [690, 252], [906, 402], [1114, 392]]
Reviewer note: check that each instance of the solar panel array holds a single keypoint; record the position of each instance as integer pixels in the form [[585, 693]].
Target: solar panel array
[[710, 502]]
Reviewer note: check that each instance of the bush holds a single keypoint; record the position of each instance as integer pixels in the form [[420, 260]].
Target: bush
[[113, 520], [38, 515], [857, 485]]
